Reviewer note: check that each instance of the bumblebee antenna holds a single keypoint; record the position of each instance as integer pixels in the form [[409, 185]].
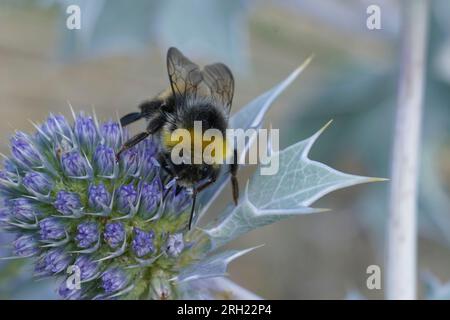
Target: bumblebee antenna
[[194, 198]]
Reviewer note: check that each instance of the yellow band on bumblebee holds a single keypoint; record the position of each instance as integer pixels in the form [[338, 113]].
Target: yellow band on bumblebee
[[208, 147]]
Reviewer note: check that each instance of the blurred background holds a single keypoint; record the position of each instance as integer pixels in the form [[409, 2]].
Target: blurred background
[[117, 59]]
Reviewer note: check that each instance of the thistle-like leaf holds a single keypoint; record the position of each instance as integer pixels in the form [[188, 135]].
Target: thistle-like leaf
[[269, 198], [250, 116], [214, 266]]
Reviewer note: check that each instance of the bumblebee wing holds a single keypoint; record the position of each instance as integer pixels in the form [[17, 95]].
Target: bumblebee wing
[[186, 79], [184, 75], [219, 79]]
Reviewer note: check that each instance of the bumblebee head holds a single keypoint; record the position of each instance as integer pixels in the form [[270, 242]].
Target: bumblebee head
[[190, 176]]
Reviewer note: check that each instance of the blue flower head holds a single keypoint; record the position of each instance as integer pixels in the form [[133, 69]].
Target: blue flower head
[[51, 229], [68, 203], [85, 131], [114, 280], [87, 234], [52, 262], [56, 127], [25, 245], [142, 243], [24, 209], [130, 161], [37, 182], [111, 133], [124, 224], [74, 164], [73, 207], [127, 196], [151, 195], [24, 151], [114, 234], [148, 157], [104, 160], [98, 197], [88, 266], [180, 200], [175, 244]]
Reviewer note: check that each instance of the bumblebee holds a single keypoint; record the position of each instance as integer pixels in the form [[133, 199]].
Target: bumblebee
[[194, 95]]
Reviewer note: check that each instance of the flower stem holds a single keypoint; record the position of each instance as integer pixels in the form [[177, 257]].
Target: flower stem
[[401, 262]]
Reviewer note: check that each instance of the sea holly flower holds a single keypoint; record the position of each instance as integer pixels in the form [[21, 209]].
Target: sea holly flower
[[87, 234], [125, 225], [56, 126], [98, 197], [56, 133], [104, 160], [175, 244], [142, 243], [85, 131], [53, 262], [25, 245], [88, 266], [24, 151], [148, 155], [111, 133], [180, 200], [24, 209], [74, 164], [130, 161], [127, 196], [37, 182], [151, 195], [114, 234], [114, 280], [51, 229], [68, 203]]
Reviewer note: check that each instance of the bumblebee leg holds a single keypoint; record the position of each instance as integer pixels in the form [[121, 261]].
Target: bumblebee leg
[[148, 108], [195, 191], [194, 198], [152, 127], [132, 142], [234, 183], [206, 185], [130, 118]]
